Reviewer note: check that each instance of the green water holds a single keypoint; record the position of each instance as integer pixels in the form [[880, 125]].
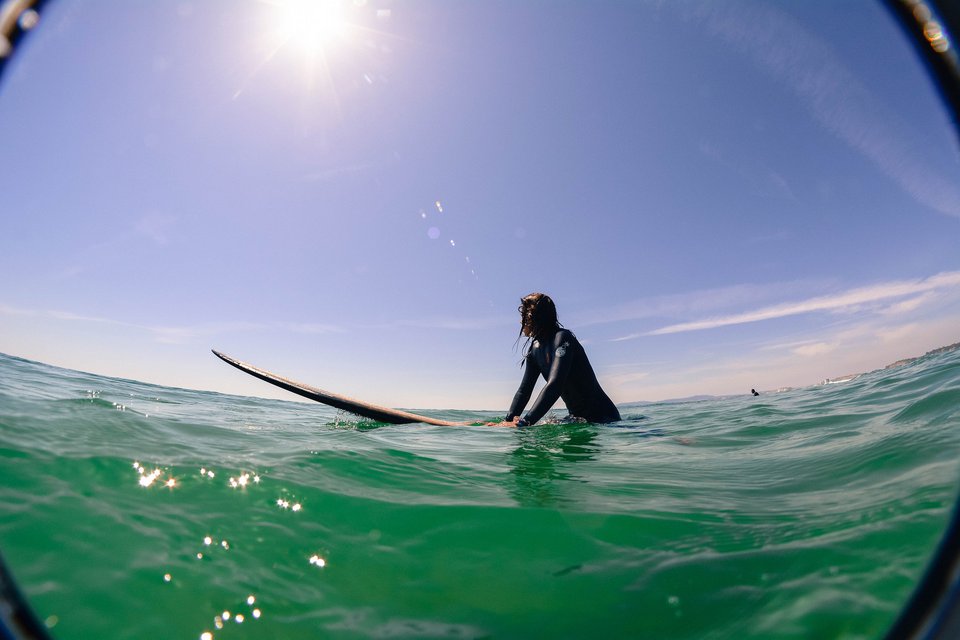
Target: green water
[[805, 514]]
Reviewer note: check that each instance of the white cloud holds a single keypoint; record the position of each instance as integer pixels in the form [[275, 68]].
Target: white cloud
[[898, 334], [814, 349], [620, 379], [155, 227], [688, 303], [311, 327], [459, 324], [68, 315], [846, 350], [832, 94], [173, 334], [908, 306], [840, 302], [14, 311], [189, 333]]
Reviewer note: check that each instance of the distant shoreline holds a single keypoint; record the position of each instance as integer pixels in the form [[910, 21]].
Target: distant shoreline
[[900, 363], [893, 365]]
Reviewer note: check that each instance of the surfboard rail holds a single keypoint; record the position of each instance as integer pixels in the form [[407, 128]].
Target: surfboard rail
[[335, 400]]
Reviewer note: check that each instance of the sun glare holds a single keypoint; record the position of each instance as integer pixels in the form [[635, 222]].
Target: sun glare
[[312, 24]]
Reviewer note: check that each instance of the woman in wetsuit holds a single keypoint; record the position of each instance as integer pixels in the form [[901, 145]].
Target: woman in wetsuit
[[556, 354]]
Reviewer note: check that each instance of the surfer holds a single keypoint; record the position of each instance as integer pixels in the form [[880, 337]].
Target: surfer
[[556, 354], [754, 392]]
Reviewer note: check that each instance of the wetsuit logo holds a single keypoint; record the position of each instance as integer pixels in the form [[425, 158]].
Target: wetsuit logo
[[562, 349]]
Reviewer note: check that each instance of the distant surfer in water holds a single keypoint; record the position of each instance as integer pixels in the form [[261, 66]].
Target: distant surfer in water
[[754, 392], [556, 354]]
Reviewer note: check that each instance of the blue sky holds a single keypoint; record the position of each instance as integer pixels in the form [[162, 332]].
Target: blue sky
[[718, 196]]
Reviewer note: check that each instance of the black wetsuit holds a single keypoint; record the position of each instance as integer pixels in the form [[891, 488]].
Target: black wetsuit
[[563, 364]]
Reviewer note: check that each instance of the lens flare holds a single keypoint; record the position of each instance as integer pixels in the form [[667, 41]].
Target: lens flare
[[311, 24]]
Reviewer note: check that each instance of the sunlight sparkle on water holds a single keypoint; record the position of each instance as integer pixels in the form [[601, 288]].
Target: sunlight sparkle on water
[[243, 481], [147, 479], [318, 561], [286, 504]]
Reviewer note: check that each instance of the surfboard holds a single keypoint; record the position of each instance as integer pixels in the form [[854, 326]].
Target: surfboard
[[335, 400]]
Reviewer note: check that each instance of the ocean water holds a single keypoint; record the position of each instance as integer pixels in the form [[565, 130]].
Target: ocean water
[[131, 510]]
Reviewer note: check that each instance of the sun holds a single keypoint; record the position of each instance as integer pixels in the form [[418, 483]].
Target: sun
[[311, 25], [313, 35]]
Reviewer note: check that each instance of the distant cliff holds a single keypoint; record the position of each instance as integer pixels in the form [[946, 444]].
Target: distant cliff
[[900, 363]]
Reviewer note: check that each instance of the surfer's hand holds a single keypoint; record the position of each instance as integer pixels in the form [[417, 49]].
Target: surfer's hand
[[503, 423]]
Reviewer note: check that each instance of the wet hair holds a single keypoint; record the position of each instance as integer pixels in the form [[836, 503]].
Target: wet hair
[[539, 314]]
